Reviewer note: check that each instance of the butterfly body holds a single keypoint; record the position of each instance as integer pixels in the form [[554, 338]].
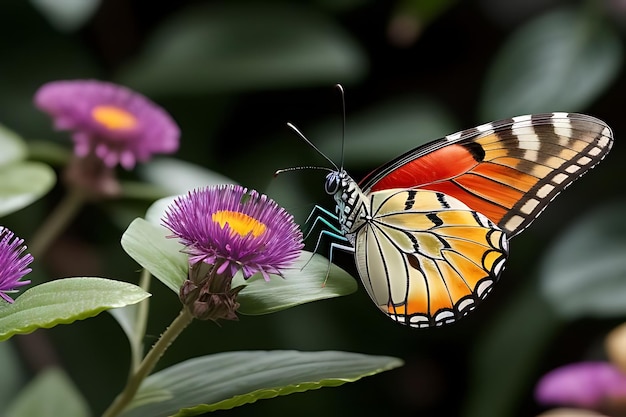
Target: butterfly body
[[430, 229]]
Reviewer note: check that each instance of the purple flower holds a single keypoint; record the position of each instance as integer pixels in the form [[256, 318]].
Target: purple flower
[[584, 384], [235, 229], [13, 265], [117, 125]]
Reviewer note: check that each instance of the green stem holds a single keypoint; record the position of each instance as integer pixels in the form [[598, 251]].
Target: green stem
[[58, 220], [148, 363], [141, 320]]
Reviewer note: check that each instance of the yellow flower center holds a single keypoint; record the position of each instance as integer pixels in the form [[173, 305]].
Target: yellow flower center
[[113, 117], [239, 223]]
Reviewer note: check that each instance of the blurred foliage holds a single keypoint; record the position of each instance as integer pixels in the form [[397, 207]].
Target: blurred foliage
[[583, 272], [233, 73], [216, 48], [56, 395], [21, 182], [561, 60]]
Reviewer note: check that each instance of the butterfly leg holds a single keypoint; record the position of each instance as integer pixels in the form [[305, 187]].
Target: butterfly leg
[[323, 234], [326, 218], [335, 236], [319, 218], [334, 246], [333, 231], [318, 208]]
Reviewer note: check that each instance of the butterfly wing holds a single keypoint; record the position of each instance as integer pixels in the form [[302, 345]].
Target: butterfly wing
[[508, 170], [425, 258]]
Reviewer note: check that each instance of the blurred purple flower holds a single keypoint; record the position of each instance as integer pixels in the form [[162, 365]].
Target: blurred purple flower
[[235, 229], [116, 124], [13, 265], [584, 384]]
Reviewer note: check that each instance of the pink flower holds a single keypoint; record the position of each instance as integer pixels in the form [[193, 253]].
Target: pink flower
[[13, 265], [117, 125], [583, 384], [235, 229]]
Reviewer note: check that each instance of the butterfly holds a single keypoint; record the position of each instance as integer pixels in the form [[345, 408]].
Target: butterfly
[[430, 229]]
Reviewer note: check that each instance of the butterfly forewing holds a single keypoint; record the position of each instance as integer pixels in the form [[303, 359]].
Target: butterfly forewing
[[508, 170], [425, 258]]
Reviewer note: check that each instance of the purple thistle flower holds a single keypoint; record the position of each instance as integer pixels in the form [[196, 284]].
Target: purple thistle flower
[[116, 124], [235, 229], [13, 265], [584, 384]]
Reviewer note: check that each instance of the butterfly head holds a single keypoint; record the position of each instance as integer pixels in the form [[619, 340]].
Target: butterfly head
[[333, 182], [336, 185]]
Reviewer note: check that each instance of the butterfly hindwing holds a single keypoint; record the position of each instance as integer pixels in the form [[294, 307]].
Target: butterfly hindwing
[[425, 258], [508, 170]]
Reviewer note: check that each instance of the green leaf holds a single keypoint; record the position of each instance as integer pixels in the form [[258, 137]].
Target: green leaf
[[51, 394], [157, 210], [22, 183], [244, 46], [302, 283], [385, 131], [146, 243], [179, 177], [133, 319], [126, 317], [583, 273], [560, 61], [50, 152], [64, 301], [13, 147], [141, 190], [226, 380], [67, 15]]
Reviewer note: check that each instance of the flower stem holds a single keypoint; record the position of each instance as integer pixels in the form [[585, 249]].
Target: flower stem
[[148, 363], [58, 220]]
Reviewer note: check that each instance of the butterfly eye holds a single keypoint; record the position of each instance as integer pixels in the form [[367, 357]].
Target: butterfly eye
[[332, 183]]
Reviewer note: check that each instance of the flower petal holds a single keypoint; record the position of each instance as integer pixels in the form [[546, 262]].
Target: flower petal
[[13, 263]]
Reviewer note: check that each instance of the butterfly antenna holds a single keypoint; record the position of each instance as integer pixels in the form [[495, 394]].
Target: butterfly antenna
[[304, 138], [343, 124], [280, 171]]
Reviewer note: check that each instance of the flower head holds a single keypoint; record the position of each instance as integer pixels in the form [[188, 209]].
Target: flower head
[[584, 384], [117, 125], [13, 265], [235, 229]]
